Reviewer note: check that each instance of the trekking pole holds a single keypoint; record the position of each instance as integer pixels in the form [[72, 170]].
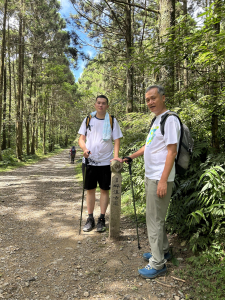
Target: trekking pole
[[82, 203], [131, 182]]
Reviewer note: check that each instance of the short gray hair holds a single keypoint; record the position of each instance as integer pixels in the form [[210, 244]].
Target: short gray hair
[[161, 90]]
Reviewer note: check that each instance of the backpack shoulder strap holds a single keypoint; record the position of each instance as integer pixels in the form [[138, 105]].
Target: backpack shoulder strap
[[88, 118], [162, 128], [153, 120], [111, 119], [164, 118]]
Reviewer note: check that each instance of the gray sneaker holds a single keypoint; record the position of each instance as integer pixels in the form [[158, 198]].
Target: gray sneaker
[[90, 224], [101, 225]]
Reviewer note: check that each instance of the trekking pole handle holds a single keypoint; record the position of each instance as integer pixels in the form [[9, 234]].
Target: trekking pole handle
[[129, 161], [86, 159]]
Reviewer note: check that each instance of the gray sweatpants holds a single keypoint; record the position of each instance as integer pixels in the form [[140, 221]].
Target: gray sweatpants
[[156, 209]]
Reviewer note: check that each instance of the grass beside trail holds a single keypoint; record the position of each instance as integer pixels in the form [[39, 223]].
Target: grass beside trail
[[10, 161], [78, 171], [205, 275]]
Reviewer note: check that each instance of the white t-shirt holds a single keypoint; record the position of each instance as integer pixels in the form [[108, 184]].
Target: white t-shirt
[[156, 147], [101, 151]]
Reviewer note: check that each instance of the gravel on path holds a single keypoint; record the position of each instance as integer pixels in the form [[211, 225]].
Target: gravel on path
[[42, 255]]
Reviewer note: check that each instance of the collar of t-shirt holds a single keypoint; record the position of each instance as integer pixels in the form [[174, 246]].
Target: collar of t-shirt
[[159, 116]]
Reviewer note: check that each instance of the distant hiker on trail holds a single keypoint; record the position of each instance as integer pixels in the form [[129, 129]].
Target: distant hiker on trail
[[159, 156], [72, 154], [97, 132]]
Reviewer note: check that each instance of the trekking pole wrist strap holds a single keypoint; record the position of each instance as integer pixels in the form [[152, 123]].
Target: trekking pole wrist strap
[[129, 159]]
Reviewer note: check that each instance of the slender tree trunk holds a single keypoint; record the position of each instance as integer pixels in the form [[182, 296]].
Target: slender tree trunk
[[29, 103], [2, 67], [167, 19], [14, 81], [4, 133], [27, 136], [19, 119], [33, 123], [32, 150], [44, 133], [185, 60], [20, 91], [46, 113], [37, 132], [10, 94], [51, 128], [129, 75]]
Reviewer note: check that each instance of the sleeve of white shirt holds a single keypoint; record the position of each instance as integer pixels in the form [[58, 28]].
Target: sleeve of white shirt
[[172, 131], [82, 129], [117, 133]]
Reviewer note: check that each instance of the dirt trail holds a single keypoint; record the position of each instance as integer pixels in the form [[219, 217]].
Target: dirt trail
[[42, 256]]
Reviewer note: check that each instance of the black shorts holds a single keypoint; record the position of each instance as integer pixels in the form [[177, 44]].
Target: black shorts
[[97, 174]]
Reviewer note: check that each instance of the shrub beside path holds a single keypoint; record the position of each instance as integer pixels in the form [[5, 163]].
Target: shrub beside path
[[42, 255]]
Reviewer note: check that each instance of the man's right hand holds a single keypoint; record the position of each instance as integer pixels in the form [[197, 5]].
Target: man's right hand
[[86, 153]]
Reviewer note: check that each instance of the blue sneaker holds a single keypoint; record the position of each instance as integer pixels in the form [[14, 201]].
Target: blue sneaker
[[149, 272], [148, 255]]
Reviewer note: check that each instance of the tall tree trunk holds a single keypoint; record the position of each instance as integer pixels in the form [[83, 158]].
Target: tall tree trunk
[[27, 125], [29, 104], [10, 94], [14, 81], [19, 96], [44, 133], [51, 128], [19, 114], [2, 67], [33, 130], [129, 75], [4, 138], [37, 120], [46, 113], [167, 19], [185, 60]]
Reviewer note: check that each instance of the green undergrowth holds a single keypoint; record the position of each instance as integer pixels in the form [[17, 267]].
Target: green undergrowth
[[10, 161], [78, 170], [204, 275], [128, 209]]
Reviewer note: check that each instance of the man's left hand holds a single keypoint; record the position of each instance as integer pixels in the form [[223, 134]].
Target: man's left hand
[[161, 189], [117, 158]]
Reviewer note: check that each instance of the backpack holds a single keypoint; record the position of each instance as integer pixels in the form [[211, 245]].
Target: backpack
[[111, 118], [73, 151], [186, 143]]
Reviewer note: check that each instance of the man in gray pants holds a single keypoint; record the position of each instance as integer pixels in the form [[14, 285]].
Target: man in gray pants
[[159, 155]]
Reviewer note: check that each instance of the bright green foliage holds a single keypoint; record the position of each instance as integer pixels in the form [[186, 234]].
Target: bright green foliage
[[201, 203], [205, 276], [135, 127]]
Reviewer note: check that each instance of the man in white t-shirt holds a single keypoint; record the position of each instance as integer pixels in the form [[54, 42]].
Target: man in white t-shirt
[[159, 155], [96, 142]]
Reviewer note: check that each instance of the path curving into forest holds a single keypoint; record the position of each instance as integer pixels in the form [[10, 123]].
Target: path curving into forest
[[42, 255]]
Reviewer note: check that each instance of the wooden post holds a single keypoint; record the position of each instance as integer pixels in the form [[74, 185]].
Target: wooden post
[[115, 199]]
